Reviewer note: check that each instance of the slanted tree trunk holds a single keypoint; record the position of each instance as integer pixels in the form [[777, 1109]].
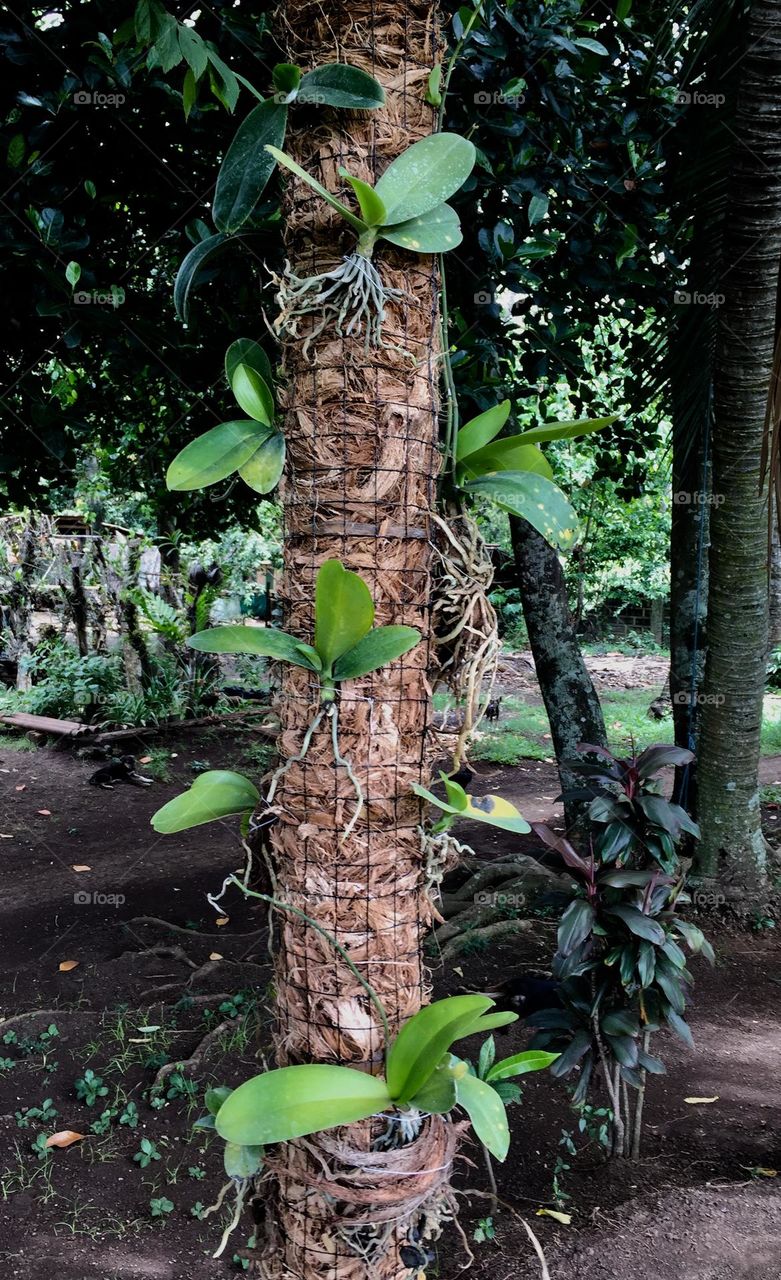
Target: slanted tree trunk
[[567, 690], [732, 846], [19, 608], [361, 431]]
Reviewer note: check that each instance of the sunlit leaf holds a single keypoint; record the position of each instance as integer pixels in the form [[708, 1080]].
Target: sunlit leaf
[[216, 454], [294, 1101], [263, 470], [252, 394], [217, 793]]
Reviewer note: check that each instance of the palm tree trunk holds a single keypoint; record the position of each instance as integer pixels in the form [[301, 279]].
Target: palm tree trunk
[[732, 846], [362, 431]]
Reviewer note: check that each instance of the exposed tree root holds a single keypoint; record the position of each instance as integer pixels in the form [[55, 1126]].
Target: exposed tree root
[[187, 933], [191, 1064], [486, 934]]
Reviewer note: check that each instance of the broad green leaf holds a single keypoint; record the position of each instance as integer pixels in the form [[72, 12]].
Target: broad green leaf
[[294, 1101], [566, 430], [456, 795], [265, 641], [479, 431], [438, 1094], [218, 793], [642, 926], [434, 87], [215, 455], [511, 454], [241, 1161], [263, 470], [377, 649], [338, 85], [247, 351], [370, 204], [191, 265], [215, 1098], [487, 1057], [534, 498], [682, 1029], [437, 231], [252, 394], [486, 1111], [344, 611], [425, 175], [288, 162], [520, 1064], [423, 1040], [490, 1021], [73, 273], [248, 165]]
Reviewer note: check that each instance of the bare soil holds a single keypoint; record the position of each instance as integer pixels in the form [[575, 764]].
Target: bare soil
[[701, 1204]]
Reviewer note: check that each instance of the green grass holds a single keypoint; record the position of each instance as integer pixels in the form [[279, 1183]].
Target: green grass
[[521, 732], [16, 742]]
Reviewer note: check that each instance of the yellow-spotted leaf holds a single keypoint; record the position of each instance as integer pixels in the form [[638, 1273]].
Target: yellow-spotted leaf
[[535, 499]]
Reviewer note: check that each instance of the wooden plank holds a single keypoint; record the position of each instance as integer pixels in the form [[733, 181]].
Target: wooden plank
[[45, 724]]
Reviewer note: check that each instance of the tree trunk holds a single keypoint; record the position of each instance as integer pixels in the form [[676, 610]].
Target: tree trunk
[[732, 846], [567, 690], [362, 430], [689, 533]]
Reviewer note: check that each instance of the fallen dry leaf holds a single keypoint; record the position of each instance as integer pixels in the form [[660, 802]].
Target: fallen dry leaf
[[221, 920], [765, 1173], [698, 1101], [3, 836], [144, 759], [65, 966], [564, 1218], [215, 955], [65, 1138], [21, 787], [77, 866], [45, 813]]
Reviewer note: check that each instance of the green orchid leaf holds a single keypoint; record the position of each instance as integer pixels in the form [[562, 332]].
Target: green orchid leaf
[[241, 1161], [344, 611], [189, 268], [486, 1111], [480, 431], [216, 454], [437, 231], [218, 793], [248, 165], [425, 175], [490, 1022], [263, 641], [288, 162], [286, 77], [263, 470], [422, 1042], [566, 430], [215, 1098], [534, 498], [377, 649], [338, 85], [493, 810], [252, 394], [294, 1101], [456, 795], [520, 1064], [369, 202], [438, 1094], [247, 351], [507, 455]]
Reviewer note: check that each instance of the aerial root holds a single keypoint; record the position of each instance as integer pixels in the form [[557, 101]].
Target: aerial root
[[351, 297]]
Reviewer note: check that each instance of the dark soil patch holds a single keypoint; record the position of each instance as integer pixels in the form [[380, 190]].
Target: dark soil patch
[[695, 1206]]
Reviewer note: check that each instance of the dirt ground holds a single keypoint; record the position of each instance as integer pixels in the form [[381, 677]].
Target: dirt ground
[[703, 1203]]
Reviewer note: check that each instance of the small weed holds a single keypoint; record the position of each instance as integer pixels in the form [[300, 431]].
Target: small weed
[[484, 1231], [161, 1207], [90, 1087], [194, 1171], [129, 1116], [42, 1115], [198, 1210], [158, 764], [146, 1153]]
